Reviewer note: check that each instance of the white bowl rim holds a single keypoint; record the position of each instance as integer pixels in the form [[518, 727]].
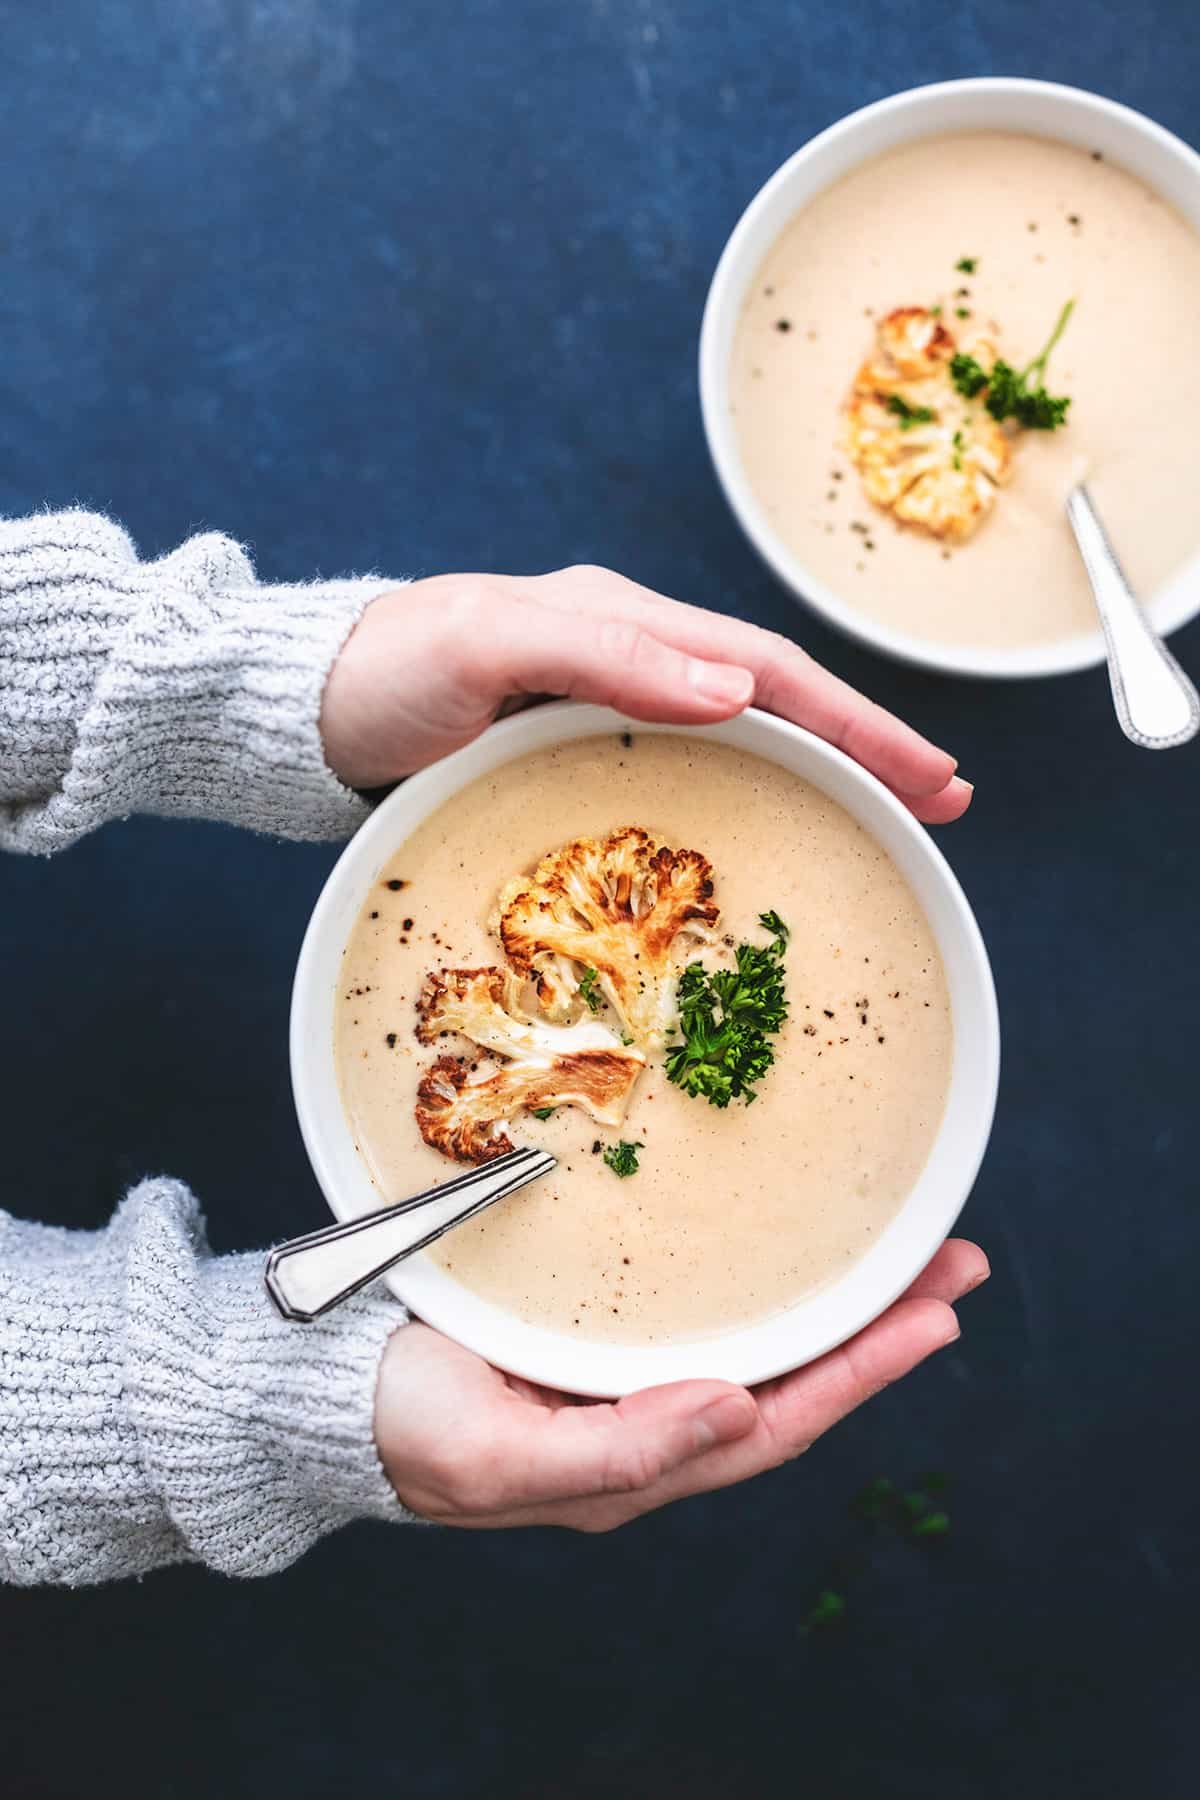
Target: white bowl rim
[[1170, 610], [751, 1353]]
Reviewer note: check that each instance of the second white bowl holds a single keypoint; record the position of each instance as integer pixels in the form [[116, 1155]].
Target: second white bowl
[[1038, 108]]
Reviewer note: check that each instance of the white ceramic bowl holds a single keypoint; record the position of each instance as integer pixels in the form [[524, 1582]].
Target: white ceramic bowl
[[750, 1353], [1037, 108]]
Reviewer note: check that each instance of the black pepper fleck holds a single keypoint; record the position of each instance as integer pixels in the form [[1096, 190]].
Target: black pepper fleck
[[783, 324], [395, 885], [391, 1040], [407, 924]]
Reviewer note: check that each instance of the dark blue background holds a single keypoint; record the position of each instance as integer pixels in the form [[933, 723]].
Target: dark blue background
[[416, 287]]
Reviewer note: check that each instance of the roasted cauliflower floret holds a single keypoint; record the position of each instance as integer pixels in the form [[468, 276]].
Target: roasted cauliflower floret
[[924, 452], [632, 912], [462, 1111]]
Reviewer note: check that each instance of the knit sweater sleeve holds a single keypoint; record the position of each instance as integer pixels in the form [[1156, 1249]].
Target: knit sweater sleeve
[[181, 686], [154, 1410]]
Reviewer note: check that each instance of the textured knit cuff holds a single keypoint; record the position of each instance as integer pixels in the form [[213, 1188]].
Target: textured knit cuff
[[178, 687], [258, 1434]]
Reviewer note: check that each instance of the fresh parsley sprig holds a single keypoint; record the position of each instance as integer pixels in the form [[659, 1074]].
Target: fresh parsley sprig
[[1011, 393], [726, 1017]]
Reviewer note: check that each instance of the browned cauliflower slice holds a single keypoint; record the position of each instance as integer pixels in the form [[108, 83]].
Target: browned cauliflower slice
[[938, 473], [632, 912], [462, 1111]]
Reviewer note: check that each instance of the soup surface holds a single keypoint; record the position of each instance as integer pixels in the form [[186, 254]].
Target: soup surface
[[1043, 223], [732, 1214]]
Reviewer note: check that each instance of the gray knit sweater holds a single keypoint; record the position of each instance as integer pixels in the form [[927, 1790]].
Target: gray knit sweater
[[152, 1407]]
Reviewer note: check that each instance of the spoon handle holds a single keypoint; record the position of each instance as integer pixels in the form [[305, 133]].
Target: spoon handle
[[1157, 706], [308, 1275]]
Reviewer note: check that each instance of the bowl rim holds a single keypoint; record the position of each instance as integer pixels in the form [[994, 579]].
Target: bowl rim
[[730, 278], [748, 1353]]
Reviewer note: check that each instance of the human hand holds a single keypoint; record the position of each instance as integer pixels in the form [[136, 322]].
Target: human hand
[[466, 1445], [430, 665]]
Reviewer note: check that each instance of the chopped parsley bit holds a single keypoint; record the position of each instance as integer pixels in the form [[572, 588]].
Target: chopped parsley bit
[[962, 312], [967, 265], [970, 376], [542, 1112], [1009, 394], [909, 415], [587, 983], [726, 1018], [935, 312], [622, 1158], [958, 449], [830, 1609]]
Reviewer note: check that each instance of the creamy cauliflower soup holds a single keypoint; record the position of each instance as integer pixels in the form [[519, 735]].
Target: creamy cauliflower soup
[[990, 235], [676, 1217]]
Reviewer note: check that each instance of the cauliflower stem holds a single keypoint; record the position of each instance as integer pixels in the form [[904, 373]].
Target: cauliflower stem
[[461, 1110]]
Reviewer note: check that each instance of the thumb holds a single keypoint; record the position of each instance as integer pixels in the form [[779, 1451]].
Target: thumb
[[612, 662], [582, 1451]]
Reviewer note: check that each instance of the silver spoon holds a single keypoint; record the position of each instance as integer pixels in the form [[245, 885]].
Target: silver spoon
[[308, 1275], [1157, 706]]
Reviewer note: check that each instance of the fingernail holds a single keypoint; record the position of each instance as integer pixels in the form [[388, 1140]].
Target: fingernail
[[963, 787], [981, 1278], [723, 685], [723, 1420], [952, 1336]]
